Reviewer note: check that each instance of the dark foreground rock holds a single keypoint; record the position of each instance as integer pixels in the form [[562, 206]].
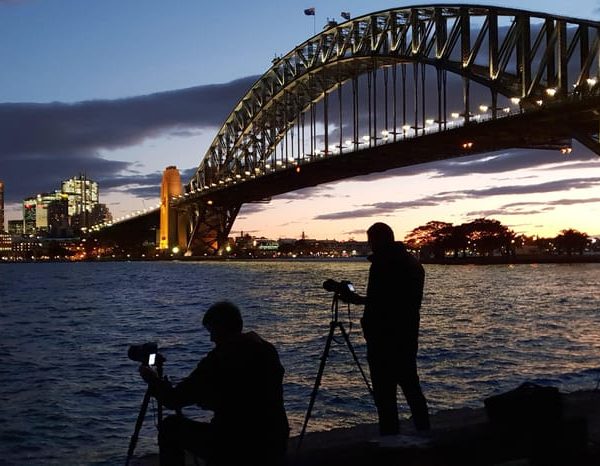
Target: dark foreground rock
[[458, 437]]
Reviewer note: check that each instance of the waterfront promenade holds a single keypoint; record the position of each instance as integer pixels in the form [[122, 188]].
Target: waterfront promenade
[[458, 437]]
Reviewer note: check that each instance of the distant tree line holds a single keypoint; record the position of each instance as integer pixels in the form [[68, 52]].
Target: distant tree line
[[488, 237]]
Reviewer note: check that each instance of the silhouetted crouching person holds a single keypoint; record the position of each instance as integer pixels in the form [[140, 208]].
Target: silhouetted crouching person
[[391, 328], [241, 381]]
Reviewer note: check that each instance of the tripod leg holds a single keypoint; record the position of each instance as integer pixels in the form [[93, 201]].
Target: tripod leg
[[313, 395], [138, 426], [347, 338]]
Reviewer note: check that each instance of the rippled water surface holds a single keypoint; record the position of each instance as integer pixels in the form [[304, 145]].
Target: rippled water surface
[[69, 395]]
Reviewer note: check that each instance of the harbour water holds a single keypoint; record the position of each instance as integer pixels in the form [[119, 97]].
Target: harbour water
[[69, 395]]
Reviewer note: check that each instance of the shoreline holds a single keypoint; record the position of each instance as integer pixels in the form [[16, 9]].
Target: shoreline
[[482, 260]]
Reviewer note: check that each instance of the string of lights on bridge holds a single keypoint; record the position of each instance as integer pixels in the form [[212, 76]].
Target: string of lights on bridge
[[407, 131]]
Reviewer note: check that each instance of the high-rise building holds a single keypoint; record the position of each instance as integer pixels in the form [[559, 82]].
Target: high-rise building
[[29, 215], [1, 206], [15, 227], [43, 202], [58, 217], [83, 196]]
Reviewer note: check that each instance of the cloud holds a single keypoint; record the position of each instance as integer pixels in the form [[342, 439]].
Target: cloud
[[550, 186], [500, 211], [558, 202], [445, 197], [55, 139]]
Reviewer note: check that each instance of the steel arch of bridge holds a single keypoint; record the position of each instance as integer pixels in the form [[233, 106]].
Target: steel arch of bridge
[[516, 54]]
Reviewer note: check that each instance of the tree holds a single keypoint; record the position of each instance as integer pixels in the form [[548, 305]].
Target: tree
[[488, 235], [426, 238], [453, 238], [570, 241]]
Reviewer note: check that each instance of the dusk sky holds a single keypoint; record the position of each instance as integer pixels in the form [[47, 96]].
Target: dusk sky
[[122, 89]]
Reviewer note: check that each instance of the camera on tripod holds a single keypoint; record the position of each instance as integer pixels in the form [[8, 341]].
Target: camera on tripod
[[341, 287], [341, 290], [145, 353]]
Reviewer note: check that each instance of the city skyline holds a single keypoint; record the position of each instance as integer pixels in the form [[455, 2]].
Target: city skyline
[[133, 104]]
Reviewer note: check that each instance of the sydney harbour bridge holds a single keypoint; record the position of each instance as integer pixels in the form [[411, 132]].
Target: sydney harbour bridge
[[389, 89]]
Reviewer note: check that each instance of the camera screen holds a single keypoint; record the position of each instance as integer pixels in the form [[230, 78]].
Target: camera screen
[[351, 287], [152, 359]]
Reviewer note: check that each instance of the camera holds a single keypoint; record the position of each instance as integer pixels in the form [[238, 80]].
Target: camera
[[340, 287], [145, 353]]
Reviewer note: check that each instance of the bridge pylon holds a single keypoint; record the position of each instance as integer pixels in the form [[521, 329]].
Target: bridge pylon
[[172, 232]]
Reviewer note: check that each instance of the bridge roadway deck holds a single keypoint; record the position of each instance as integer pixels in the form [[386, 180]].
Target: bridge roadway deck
[[547, 128]]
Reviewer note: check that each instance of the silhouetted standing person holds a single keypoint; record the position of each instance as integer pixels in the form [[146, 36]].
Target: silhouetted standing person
[[391, 328], [241, 381]]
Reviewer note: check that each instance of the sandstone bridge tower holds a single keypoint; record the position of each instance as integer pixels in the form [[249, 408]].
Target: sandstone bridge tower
[[172, 225]]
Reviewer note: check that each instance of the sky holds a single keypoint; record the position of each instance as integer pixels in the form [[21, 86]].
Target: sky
[[122, 89]]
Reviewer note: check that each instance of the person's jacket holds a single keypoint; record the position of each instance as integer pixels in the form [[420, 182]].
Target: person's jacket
[[241, 381], [393, 300]]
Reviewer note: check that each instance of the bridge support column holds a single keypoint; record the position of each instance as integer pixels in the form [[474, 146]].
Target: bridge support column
[[172, 223], [208, 227]]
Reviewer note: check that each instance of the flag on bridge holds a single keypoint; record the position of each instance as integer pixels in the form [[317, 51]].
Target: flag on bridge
[[310, 11], [345, 15]]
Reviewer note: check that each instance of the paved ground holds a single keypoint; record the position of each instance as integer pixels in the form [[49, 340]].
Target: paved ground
[[459, 437]]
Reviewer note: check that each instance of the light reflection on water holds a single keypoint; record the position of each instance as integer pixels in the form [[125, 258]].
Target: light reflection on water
[[70, 395]]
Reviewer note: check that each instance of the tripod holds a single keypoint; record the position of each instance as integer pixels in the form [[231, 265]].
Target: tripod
[[142, 413], [333, 325]]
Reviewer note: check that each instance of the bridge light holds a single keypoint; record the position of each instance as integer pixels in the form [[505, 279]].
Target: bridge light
[[175, 250], [405, 128], [247, 173], [385, 133], [348, 142], [366, 138], [238, 176], [539, 102], [551, 92], [591, 81], [515, 100], [209, 202], [429, 121], [453, 115], [268, 166], [506, 109], [279, 163]]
